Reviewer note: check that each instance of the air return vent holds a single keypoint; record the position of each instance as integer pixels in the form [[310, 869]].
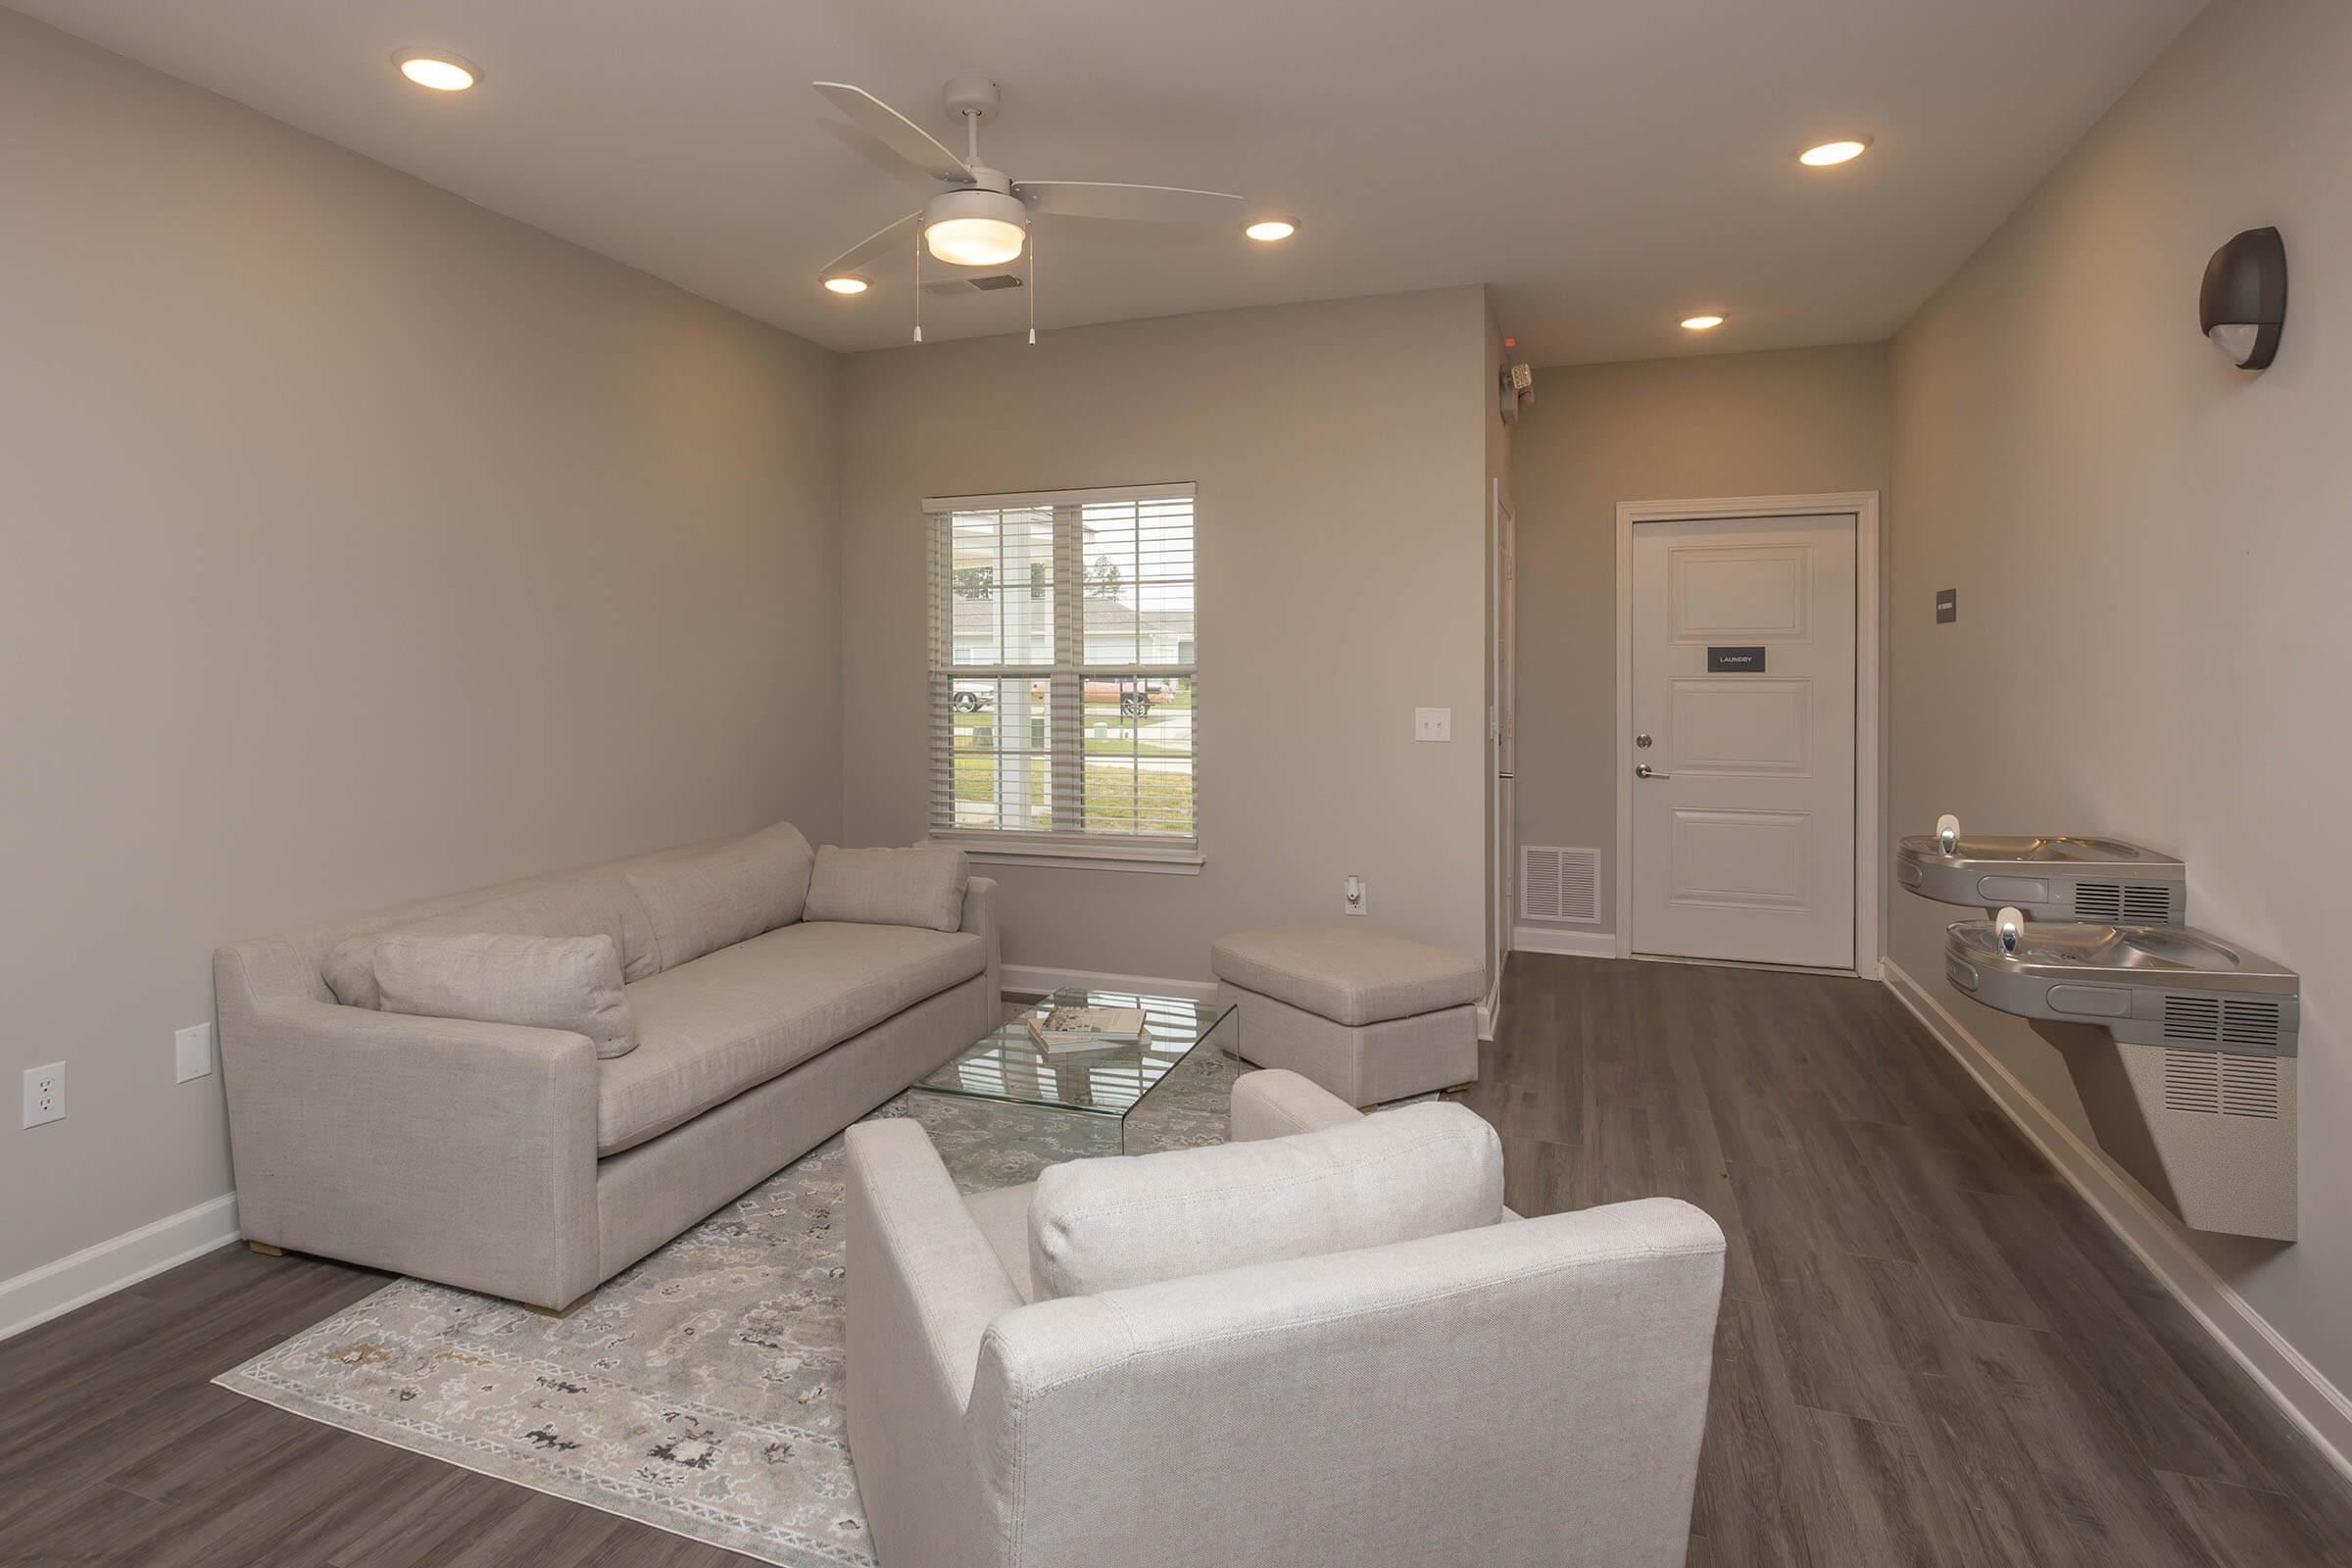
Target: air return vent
[[2124, 903], [974, 285], [2212, 1020], [2208, 1083], [1557, 884]]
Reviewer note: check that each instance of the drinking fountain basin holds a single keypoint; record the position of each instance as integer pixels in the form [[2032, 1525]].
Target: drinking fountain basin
[[2157, 985], [2052, 878]]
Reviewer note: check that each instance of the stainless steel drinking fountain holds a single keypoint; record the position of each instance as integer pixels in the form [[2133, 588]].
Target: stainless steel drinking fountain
[[2049, 878], [2204, 1111]]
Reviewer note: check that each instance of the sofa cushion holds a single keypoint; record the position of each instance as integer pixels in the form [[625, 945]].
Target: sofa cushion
[[1101, 1225], [710, 1029], [540, 982], [712, 896], [1350, 977], [580, 906], [922, 885]]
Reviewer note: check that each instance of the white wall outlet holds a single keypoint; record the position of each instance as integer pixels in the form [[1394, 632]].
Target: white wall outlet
[[1433, 723], [1354, 897], [192, 1048], [44, 1094]]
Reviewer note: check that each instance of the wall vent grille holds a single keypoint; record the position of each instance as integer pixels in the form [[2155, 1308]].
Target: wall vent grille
[[2210, 1082], [1559, 884], [2193, 1018], [2099, 901]]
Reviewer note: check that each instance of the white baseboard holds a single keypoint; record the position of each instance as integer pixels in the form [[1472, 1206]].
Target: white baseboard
[[1577, 944], [38, 1295], [1037, 978], [2314, 1403]]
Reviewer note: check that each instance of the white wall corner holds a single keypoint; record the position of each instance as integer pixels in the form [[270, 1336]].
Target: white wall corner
[[2301, 1390], [38, 1295]]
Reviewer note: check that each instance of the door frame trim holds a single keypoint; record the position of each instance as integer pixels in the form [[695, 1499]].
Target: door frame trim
[[1869, 773]]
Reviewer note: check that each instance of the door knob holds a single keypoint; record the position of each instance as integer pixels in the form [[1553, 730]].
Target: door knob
[[1645, 770]]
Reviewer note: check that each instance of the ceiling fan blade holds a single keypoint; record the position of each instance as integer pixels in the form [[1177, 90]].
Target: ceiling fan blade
[[896, 132], [1144, 204], [898, 238]]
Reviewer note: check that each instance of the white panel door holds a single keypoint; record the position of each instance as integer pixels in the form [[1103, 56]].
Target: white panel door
[[1743, 717]]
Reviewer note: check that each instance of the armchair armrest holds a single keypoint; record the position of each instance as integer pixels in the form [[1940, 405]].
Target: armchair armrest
[[983, 917], [456, 1150], [923, 1287], [1276, 1102]]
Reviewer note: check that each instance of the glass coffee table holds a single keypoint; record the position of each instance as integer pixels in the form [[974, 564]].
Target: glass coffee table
[[1005, 1107]]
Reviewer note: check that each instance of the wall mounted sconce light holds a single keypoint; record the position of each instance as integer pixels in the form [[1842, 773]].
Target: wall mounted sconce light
[[2243, 303]]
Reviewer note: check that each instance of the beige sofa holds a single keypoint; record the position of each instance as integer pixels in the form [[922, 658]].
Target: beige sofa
[[1326, 1342], [512, 1161]]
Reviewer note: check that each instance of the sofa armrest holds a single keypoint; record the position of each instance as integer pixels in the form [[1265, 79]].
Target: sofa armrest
[[982, 916], [1276, 1102], [458, 1152], [923, 1287]]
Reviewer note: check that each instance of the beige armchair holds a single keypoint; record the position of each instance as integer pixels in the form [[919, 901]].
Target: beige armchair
[[1504, 1392]]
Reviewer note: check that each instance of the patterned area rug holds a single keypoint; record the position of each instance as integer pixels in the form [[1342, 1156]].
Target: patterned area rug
[[698, 1392]]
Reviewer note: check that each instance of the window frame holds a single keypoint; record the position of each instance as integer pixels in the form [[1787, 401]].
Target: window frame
[[1074, 848]]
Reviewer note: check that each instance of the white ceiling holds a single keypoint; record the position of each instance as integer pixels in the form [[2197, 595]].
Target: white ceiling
[[1606, 167]]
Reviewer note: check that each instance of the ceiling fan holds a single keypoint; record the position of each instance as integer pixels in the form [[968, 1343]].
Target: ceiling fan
[[982, 218]]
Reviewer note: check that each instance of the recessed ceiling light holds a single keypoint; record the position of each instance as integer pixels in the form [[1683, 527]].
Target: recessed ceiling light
[[1270, 229], [846, 285], [443, 72], [1833, 152], [1701, 324]]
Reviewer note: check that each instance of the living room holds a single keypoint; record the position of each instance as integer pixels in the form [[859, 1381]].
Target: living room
[[462, 529]]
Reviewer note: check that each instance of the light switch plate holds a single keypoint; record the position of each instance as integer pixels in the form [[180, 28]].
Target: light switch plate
[[44, 1094], [192, 1048], [1433, 723]]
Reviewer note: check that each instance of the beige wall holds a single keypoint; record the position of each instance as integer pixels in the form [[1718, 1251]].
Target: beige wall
[[2151, 552], [360, 545], [1340, 462], [1785, 422]]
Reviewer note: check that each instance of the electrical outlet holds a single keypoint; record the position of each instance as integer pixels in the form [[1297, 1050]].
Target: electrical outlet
[[44, 1094], [1433, 723], [192, 1049]]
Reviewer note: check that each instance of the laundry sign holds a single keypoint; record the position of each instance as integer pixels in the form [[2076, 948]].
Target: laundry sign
[[1734, 661]]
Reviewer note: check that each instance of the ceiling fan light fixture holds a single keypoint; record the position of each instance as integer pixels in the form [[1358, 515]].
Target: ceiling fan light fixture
[[975, 226], [438, 70], [846, 285], [1266, 231]]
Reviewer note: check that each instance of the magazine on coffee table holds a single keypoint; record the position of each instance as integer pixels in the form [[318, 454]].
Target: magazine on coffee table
[[1074, 1029]]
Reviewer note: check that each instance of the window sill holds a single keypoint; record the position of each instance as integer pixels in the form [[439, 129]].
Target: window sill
[[1080, 856]]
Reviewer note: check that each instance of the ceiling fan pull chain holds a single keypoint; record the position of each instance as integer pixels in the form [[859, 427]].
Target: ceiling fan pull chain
[[1033, 288], [918, 282]]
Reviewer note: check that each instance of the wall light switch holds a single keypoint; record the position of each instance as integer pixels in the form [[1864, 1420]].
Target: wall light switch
[[193, 1046], [1433, 723], [1354, 897], [44, 1094]]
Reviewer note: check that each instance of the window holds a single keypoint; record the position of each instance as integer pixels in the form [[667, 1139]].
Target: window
[[1063, 708]]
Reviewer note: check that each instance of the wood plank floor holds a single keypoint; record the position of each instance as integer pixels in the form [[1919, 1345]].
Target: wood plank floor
[[1930, 1351]]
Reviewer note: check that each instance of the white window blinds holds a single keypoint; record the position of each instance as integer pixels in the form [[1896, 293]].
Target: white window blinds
[[1063, 705]]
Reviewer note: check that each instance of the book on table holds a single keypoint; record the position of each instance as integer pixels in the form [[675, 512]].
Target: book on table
[[1065, 1029]]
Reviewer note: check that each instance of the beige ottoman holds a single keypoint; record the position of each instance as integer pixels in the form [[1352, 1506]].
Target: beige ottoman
[[1370, 1017]]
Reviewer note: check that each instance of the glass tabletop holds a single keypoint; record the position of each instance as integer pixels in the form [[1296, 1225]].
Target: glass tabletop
[[1009, 1067]]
